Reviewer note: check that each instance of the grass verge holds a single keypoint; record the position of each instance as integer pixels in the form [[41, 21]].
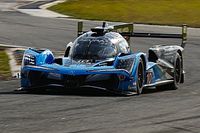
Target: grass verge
[[168, 12], [4, 66]]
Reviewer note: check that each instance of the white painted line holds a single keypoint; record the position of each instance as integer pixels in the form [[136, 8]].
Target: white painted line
[[45, 6], [14, 67], [13, 64], [12, 46], [42, 13]]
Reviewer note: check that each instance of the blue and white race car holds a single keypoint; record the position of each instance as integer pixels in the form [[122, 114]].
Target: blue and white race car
[[101, 58]]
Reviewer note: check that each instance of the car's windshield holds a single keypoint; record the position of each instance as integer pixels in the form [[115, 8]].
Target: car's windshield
[[96, 48]]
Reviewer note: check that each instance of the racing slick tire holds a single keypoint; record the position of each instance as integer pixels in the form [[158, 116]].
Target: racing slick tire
[[140, 77], [178, 69]]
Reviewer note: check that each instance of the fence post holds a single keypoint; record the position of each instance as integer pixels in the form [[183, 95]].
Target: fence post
[[80, 28], [184, 35]]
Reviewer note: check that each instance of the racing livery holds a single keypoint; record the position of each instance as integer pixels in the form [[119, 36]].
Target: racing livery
[[101, 58]]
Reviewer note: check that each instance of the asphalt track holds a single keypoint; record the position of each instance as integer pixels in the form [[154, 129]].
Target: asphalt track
[[89, 111], [35, 5]]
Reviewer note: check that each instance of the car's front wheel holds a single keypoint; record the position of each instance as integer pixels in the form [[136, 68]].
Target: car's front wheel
[[140, 77]]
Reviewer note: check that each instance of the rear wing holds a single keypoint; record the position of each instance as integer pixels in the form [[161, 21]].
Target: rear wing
[[127, 31]]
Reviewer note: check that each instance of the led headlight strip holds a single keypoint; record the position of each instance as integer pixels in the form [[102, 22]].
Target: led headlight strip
[[29, 59], [126, 64]]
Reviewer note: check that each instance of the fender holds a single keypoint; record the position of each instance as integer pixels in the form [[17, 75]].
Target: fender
[[136, 59], [40, 56], [139, 56], [164, 52]]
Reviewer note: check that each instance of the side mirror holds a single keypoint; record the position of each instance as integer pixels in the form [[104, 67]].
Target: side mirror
[[70, 44], [68, 47], [67, 51], [122, 54]]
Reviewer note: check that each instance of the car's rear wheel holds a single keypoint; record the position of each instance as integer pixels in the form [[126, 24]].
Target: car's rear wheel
[[177, 73], [140, 77]]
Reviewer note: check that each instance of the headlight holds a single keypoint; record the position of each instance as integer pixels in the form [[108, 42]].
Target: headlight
[[126, 64], [29, 60]]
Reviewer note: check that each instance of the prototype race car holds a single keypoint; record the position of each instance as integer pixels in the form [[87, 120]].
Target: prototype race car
[[101, 58]]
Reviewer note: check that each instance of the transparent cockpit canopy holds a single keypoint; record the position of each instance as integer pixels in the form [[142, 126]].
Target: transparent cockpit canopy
[[96, 48]]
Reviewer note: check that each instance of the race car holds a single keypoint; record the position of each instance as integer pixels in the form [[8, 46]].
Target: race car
[[102, 59]]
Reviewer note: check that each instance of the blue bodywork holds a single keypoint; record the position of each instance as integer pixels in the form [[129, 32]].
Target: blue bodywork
[[40, 69], [101, 59]]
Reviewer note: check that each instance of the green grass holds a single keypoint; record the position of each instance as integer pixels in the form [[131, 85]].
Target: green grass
[[170, 12], [4, 66]]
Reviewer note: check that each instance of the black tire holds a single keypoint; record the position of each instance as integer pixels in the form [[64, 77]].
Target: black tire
[[178, 69], [140, 77]]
